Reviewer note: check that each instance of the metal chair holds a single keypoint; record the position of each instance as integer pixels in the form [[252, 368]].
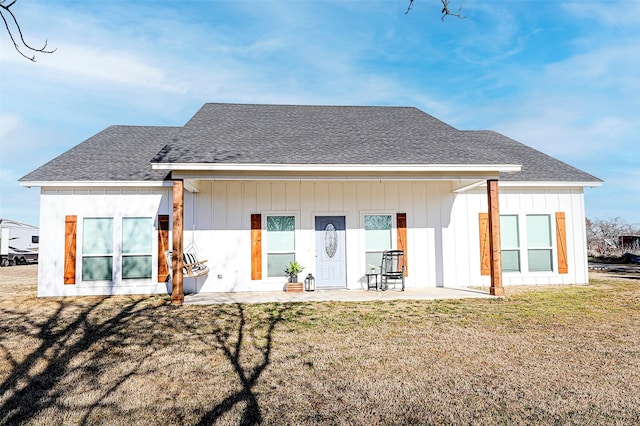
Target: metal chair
[[392, 268]]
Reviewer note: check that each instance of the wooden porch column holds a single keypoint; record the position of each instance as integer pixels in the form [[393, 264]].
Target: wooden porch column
[[495, 253], [177, 291]]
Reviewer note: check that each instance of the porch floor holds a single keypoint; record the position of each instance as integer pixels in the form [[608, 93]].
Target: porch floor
[[336, 295]]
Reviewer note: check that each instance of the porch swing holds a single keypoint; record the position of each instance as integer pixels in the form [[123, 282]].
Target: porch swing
[[192, 265]]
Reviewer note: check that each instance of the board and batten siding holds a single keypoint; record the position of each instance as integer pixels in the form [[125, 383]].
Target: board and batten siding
[[442, 229], [525, 201], [64, 208], [218, 224]]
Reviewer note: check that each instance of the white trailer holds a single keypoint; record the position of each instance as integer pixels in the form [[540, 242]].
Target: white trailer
[[18, 242]]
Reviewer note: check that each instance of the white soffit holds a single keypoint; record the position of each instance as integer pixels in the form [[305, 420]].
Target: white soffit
[[95, 183], [484, 168], [548, 184]]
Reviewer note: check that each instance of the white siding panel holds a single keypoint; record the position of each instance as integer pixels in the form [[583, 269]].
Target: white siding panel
[[336, 197], [321, 190], [99, 202], [523, 201], [278, 196], [442, 229]]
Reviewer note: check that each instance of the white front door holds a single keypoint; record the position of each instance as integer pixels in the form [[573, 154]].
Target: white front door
[[331, 269]]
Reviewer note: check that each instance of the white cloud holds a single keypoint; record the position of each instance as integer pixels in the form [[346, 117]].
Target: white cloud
[[613, 13]]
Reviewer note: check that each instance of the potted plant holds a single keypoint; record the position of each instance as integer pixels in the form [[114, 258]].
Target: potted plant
[[293, 270]]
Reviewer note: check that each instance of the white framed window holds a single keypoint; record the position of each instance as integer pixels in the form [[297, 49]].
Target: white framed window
[[126, 242], [539, 243], [281, 243], [527, 244], [97, 249], [510, 243], [137, 246], [377, 239]]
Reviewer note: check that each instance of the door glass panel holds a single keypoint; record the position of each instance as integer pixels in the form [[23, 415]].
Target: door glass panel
[[330, 240]]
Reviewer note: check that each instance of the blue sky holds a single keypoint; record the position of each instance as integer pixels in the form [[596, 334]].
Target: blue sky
[[560, 76]]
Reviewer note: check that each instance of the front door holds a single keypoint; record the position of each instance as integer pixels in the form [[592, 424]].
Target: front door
[[331, 269]]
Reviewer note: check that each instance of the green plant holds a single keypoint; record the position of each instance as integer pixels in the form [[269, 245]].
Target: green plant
[[293, 269]]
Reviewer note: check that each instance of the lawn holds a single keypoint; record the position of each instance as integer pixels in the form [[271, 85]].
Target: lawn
[[541, 355]]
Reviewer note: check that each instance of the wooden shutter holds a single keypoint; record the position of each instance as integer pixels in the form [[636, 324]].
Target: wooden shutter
[[401, 225], [561, 237], [256, 247], [485, 258], [70, 230], [163, 247]]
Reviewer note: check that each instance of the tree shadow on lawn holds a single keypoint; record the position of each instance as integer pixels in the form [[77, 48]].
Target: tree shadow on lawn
[[233, 347], [34, 382], [80, 348]]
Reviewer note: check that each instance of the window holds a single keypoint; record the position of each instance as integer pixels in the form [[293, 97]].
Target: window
[[97, 249], [377, 238], [35, 239], [280, 244], [539, 244], [132, 248], [510, 243], [137, 238]]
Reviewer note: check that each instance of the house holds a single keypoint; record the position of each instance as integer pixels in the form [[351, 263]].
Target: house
[[252, 187]]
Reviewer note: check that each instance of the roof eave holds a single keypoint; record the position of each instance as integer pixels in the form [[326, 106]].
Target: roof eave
[[254, 167], [95, 183], [566, 184]]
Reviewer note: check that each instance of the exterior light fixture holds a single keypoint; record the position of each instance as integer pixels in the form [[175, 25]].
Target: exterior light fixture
[[310, 283]]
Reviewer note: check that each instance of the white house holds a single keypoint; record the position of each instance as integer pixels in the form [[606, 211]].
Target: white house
[[252, 187]]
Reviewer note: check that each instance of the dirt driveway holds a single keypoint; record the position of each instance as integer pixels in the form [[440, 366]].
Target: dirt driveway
[[622, 270]]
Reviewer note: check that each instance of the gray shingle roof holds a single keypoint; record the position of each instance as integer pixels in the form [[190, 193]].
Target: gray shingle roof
[[296, 134], [288, 134], [118, 153], [536, 166]]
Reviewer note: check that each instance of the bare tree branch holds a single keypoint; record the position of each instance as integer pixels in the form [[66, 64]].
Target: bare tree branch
[[8, 17], [410, 6], [445, 10]]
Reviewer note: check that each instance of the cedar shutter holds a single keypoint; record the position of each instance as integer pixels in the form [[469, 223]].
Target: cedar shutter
[[256, 247], [485, 258], [70, 229], [561, 237], [163, 247], [401, 225]]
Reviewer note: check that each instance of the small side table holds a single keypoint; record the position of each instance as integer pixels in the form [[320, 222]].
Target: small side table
[[372, 281]]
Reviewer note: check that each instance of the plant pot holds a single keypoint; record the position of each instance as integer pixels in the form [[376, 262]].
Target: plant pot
[[294, 287]]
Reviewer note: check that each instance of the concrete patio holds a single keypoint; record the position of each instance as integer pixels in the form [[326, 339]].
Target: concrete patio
[[336, 295]]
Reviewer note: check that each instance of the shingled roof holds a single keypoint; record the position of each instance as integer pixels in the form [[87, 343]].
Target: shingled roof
[[118, 153], [296, 134]]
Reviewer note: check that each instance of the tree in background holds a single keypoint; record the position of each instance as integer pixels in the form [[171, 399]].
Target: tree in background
[[603, 237], [15, 32]]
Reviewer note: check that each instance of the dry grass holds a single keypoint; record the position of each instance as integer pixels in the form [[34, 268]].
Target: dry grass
[[559, 355]]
